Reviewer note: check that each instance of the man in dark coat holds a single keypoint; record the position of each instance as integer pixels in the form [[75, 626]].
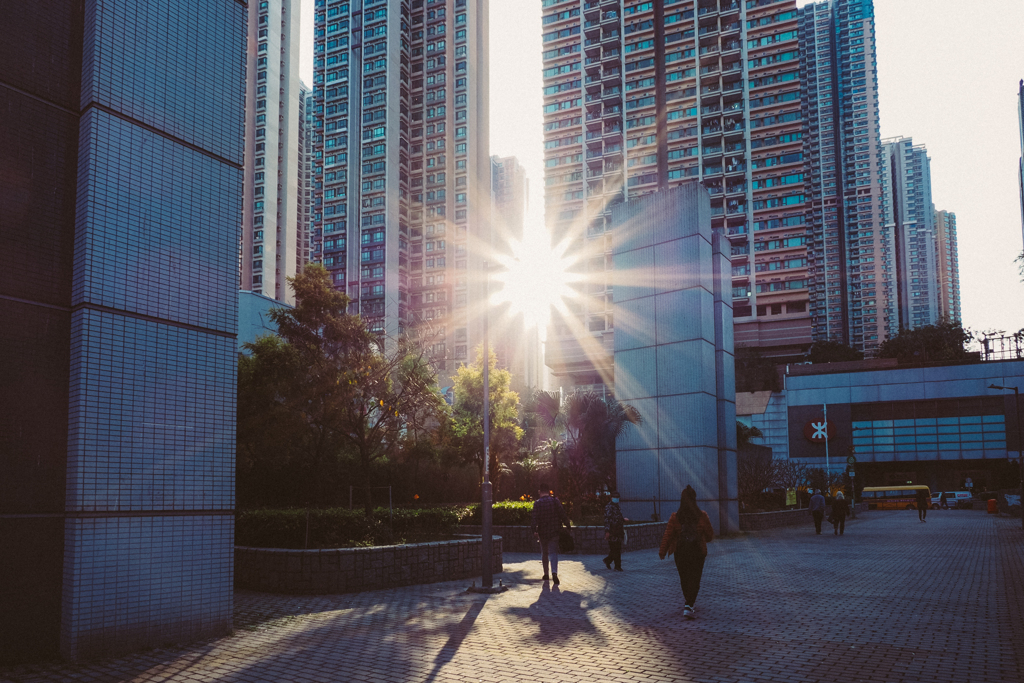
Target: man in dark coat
[[817, 508]]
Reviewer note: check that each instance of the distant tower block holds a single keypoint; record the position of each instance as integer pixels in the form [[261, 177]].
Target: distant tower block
[[674, 356]]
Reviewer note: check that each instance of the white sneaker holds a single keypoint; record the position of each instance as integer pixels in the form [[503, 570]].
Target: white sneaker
[[688, 612]]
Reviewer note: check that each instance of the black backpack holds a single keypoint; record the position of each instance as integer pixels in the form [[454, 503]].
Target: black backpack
[[689, 538]]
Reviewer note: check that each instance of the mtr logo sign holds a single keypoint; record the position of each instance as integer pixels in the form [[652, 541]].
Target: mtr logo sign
[[819, 431]]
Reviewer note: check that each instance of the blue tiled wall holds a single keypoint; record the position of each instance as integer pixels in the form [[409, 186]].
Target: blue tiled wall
[[134, 582], [671, 355], [152, 416], [150, 474]]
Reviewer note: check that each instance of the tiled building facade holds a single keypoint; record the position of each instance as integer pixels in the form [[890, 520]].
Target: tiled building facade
[[851, 240], [948, 264], [401, 170], [641, 96], [914, 244], [122, 150], [678, 373], [272, 243]]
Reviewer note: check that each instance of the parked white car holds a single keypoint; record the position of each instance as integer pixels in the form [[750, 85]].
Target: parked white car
[[954, 499]]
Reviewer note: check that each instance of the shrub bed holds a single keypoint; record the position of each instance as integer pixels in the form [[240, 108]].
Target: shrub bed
[[343, 528]]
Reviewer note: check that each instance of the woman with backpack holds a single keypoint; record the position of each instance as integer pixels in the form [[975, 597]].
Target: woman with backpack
[[687, 535]]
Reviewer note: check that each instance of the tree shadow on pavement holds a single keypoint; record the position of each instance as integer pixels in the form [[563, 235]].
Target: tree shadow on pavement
[[559, 615]]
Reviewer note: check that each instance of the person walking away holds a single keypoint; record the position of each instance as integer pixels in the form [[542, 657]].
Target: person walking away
[[687, 535], [547, 520], [943, 501], [614, 531], [840, 509], [817, 508], [922, 504]]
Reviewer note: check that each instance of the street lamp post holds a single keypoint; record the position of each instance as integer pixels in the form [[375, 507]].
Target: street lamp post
[[486, 499], [1020, 442]]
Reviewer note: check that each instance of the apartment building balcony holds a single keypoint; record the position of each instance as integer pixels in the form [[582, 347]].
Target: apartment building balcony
[[707, 10], [729, 8]]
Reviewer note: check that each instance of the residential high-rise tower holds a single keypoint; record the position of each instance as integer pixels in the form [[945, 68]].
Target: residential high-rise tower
[[1020, 170], [273, 240], [640, 96], [850, 250], [401, 169], [948, 265], [914, 245]]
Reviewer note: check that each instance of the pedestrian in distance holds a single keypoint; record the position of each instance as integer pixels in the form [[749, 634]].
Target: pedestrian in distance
[[687, 535], [922, 504], [817, 508], [547, 520], [840, 509], [944, 501], [614, 531]]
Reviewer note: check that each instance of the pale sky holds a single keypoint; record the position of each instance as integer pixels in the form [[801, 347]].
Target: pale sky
[[947, 71]]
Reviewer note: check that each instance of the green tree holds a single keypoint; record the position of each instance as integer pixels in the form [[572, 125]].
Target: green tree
[[754, 372], [755, 472], [467, 416], [942, 342], [744, 434], [592, 426], [342, 387], [832, 352]]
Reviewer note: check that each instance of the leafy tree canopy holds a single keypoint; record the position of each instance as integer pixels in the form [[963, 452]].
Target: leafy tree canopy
[[754, 372], [336, 385], [942, 342], [832, 352], [503, 413]]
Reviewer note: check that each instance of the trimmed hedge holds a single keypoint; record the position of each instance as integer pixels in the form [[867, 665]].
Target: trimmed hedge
[[503, 513], [341, 527], [344, 528]]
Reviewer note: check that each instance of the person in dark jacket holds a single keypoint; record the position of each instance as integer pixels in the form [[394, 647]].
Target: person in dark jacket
[[614, 531], [922, 504], [687, 535], [817, 508], [547, 520], [840, 509]]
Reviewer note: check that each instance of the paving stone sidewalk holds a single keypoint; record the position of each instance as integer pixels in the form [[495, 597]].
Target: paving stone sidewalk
[[894, 600]]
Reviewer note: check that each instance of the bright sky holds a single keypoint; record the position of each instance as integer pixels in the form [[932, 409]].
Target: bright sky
[[947, 77]]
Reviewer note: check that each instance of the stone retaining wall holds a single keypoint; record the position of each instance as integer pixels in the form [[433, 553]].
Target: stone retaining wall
[[758, 521], [352, 570], [589, 539]]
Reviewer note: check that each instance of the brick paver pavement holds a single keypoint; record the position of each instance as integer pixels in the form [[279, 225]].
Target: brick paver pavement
[[894, 600]]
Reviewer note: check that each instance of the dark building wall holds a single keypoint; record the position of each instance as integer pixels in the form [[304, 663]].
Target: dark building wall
[[838, 445], [40, 74]]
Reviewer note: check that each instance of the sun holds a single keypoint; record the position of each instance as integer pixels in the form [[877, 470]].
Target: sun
[[534, 280]]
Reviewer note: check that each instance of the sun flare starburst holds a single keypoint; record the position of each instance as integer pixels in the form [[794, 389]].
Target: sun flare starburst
[[534, 279]]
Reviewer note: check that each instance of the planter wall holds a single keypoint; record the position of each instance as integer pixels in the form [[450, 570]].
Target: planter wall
[[758, 521], [589, 539], [352, 570]]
